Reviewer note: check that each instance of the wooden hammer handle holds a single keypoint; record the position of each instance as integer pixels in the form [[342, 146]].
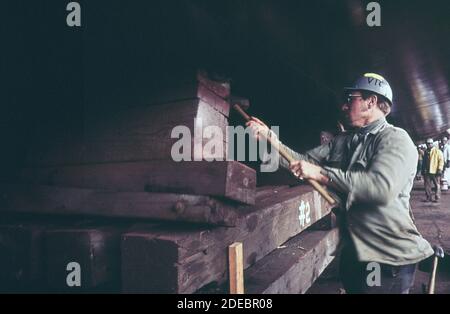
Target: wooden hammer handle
[[289, 158], [432, 282]]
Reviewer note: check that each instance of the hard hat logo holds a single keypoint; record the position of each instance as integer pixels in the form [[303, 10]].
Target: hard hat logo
[[374, 81]]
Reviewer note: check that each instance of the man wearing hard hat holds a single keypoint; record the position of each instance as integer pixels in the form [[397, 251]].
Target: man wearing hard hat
[[432, 167], [372, 170]]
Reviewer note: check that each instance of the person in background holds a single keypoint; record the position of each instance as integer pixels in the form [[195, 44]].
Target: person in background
[[432, 167], [421, 152], [446, 153]]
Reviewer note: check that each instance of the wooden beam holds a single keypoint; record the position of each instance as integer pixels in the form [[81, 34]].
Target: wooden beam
[[194, 257], [136, 134], [294, 267], [191, 84], [231, 180], [221, 89], [191, 90], [236, 268], [326, 223], [41, 199], [95, 250], [21, 260]]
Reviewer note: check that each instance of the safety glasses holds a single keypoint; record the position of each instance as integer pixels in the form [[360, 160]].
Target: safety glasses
[[348, 98]]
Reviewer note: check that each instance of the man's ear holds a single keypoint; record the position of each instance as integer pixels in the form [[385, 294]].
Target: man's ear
[[373, 101]]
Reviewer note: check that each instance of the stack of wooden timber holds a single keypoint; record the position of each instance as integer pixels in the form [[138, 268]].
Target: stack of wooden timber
[[117, 206]]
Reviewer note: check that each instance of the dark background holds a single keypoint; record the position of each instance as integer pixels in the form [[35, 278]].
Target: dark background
[[290, 58]]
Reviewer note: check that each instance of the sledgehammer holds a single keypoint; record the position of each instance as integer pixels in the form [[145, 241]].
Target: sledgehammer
[[438, 253], [289, 158]]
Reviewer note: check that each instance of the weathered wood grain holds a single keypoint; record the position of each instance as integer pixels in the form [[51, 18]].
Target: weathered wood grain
[[95, 250], [138, 134], [290, 269], [196, 257], [21, 260], [41, 199], [294, 267], [231, 180]]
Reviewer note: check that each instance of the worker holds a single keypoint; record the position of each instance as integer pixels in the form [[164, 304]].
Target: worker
[[421, 152], [432, 168], [372, 170], [446, 152]]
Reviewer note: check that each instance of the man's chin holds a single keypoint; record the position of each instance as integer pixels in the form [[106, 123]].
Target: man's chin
[[348, 124]]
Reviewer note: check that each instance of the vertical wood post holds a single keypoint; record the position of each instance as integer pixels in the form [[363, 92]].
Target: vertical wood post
[[236, 268]]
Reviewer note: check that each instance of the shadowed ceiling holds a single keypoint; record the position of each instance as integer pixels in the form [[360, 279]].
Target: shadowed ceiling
[[290, 58]]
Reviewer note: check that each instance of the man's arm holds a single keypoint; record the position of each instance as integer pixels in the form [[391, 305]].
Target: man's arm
[[391, 167], [316, 155]]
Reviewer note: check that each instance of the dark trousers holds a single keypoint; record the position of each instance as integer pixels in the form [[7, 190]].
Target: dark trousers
[[436, 181], [358, 279]]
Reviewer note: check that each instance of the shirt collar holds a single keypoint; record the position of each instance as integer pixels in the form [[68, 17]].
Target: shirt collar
[[373, 127]]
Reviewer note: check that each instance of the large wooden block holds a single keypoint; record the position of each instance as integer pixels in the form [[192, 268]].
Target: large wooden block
[[295, 266], [292, 268], [21, 261], [195, 257], [231, 180], [140, 134], [189, 86], [92, 252], [41, 199]]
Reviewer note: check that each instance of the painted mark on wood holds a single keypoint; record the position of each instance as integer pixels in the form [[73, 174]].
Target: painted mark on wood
[[304, 214]]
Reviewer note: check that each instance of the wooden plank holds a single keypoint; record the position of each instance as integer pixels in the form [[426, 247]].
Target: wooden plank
[[21, 261], [269, 191], [244, 103], [96, 252], [231, 180], [294, 267], [136, 134], [191, 85], [190, 90], [41, 199], [236, 268], [326, 223], [195, 257], [221, 89]]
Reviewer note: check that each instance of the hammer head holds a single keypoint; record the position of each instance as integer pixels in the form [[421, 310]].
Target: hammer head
[[438, 251], [244, 103]]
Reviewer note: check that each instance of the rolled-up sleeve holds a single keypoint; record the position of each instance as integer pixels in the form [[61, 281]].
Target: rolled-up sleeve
[[387, 173]]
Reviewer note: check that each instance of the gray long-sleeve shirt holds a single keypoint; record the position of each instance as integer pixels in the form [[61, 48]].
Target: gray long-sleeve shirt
[[374, 180]]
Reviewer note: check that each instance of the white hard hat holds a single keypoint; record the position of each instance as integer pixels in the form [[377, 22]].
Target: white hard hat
[[374, 83]]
